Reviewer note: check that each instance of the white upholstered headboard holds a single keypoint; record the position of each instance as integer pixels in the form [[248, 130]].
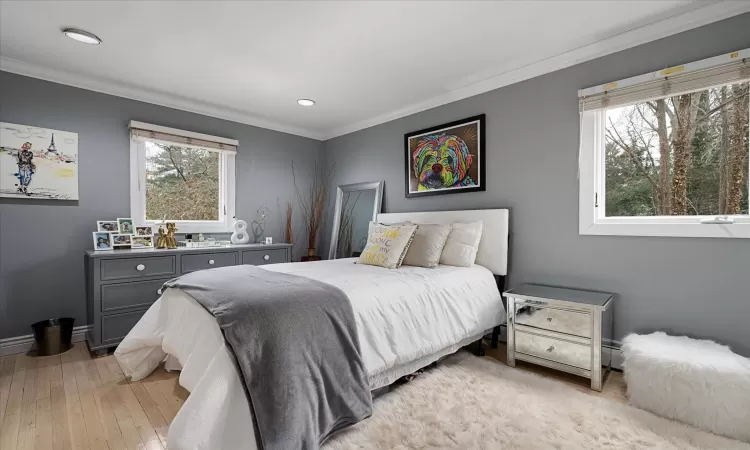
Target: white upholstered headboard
[[493, 248]]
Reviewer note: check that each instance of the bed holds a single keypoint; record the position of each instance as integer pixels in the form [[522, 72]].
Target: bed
[[406, 319]]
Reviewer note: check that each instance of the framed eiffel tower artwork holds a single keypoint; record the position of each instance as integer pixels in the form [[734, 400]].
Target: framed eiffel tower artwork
[[38, 163]]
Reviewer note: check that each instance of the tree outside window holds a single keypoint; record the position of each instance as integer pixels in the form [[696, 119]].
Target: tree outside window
[[182, 183], [685, 155]]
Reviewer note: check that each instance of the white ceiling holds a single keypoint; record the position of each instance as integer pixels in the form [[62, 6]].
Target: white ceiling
[[363, 62]]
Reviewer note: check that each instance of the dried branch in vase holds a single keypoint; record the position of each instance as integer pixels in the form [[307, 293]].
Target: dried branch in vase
[[288, 235], [313, 204]]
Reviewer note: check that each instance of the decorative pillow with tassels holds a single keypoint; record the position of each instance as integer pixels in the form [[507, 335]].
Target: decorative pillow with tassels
[[387, 245]]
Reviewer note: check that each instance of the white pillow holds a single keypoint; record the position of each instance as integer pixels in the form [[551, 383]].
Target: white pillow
[[387, 245], [462, 244], [427, 245]]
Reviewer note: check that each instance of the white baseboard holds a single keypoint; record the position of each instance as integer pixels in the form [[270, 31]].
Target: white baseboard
[[22, 344]]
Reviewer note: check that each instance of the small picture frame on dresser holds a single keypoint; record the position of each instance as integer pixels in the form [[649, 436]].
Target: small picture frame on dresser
[[120, 241], [144, 231], [102, 241], [269, 240], [109, 226], [142, 242], [125, 225]]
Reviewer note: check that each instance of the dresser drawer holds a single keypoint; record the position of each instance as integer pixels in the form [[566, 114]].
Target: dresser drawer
[[201, 261], [577, 323], [116, 326], [113, 269], [260, 257], [570, 353], [118, 296]]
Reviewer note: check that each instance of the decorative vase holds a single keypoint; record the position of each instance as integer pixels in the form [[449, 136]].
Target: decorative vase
[[310, 256], [240, 235]]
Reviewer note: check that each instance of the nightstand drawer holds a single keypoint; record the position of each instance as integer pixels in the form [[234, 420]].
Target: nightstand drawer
[[114, 269], [119, 296], [577, 323], [260, 257], [570, 353], [200, 261]]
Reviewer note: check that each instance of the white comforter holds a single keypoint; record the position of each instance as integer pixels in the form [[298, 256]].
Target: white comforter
[[406, 319]]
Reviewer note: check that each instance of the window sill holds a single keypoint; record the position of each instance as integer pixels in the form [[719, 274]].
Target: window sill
[[697, 230], [194, 227]]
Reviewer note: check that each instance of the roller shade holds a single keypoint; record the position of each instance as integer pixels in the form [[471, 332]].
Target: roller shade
[[721, 70], [141, 130]]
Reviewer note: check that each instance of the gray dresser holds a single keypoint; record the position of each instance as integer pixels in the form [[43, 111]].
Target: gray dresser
[[560, 328], [122, 284]]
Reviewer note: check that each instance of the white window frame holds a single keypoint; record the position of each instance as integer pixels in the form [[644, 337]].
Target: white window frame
[[592, 198], [138, 182]]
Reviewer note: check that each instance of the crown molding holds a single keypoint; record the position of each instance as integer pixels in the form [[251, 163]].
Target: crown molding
[[687, 20], [658, 29], [146, 95]]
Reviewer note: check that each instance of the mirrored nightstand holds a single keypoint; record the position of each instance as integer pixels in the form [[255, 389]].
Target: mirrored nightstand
[[561, 328]]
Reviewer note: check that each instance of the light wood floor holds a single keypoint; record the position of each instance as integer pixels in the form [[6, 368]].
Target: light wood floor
[[72, 401]]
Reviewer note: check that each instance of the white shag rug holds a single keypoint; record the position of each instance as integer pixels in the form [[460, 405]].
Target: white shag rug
[[475, 403]]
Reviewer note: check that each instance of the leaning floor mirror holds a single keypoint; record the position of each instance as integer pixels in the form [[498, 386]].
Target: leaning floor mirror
[[356, 205]]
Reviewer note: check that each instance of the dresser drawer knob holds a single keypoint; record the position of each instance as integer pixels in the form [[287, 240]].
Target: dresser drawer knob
[[211, 262], [549, 319], [551, 348], [140, 267], [266, 257]]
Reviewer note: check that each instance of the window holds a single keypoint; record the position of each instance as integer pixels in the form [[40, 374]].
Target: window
[[183, 177], [667, 154]]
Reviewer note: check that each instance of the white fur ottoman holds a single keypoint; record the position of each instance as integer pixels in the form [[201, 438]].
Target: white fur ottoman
[[697, 382]]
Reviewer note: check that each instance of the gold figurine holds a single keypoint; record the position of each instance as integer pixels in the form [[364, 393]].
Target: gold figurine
[[171, 230], [161, 241]]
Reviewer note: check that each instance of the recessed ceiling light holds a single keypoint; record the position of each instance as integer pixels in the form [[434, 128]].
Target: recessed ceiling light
[[81, 36], [305, 102]]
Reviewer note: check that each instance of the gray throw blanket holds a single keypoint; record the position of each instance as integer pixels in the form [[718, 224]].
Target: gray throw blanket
[[296, 345]]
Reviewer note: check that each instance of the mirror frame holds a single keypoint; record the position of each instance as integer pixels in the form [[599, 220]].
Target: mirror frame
[[376, 185]]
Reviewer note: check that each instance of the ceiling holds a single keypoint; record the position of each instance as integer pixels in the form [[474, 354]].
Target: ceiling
[[364, 63]]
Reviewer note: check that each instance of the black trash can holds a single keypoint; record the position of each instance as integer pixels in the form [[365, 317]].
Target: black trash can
[[53, 336]]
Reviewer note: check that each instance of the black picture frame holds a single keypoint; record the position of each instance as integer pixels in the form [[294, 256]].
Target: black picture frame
[[480, 157]]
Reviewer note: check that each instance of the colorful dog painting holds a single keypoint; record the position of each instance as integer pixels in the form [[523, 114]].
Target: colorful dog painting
[[446, 159]]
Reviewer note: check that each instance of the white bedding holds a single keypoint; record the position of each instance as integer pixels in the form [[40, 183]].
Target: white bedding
[[406, 319]]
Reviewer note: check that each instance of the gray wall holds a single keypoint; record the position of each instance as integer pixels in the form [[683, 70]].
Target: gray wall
[[698, 287], [42, 242]]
